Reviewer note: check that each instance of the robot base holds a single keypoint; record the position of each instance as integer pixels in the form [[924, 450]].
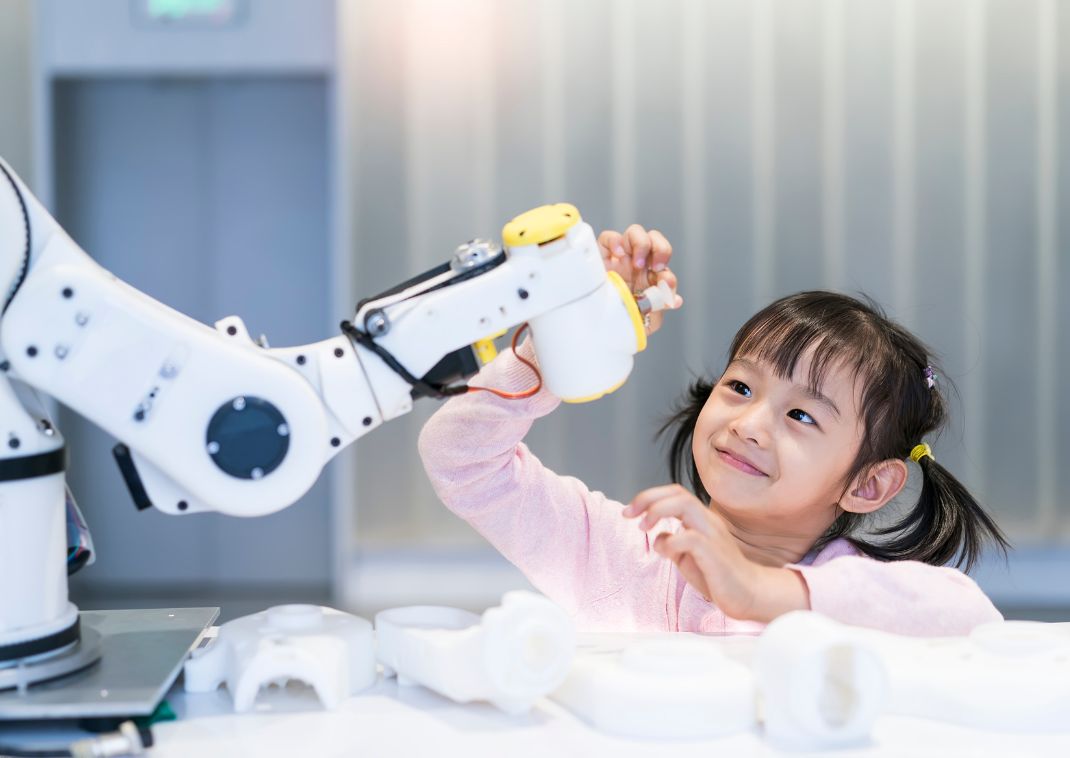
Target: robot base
[[140, 654], [74, 656]]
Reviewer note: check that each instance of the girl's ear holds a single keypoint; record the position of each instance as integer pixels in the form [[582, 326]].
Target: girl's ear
[[875, 486]]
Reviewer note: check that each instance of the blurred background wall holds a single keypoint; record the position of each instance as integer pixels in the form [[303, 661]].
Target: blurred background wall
[[15, 79], [914, 151]]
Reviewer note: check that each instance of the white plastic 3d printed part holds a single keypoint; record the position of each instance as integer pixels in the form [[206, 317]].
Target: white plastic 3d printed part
[[658, 298], [682, 688], [511, 656], [331, 651], [1011, 676], [821, 685]]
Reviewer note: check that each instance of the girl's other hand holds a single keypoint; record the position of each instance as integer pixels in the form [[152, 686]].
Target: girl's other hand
[[642, 259], [702, 549], [710, 558]]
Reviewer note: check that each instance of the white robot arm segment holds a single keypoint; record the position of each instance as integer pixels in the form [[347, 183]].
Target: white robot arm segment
[[210, 420], [158, 380]]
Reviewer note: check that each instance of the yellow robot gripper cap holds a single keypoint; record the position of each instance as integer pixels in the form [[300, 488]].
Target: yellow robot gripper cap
[[539, 225]]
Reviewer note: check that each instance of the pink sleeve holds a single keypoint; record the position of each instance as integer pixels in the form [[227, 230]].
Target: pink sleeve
[[904, 597], [570, 542]]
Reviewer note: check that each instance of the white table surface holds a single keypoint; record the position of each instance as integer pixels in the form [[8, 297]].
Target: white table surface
[[388, 720]]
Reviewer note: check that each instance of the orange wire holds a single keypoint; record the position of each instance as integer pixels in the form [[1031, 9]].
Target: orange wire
[[516, 395]]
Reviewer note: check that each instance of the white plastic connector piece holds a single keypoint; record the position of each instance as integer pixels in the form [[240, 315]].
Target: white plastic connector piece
[[665, 689], [821, 686], [511, 656], [657, 298], [331, 651]]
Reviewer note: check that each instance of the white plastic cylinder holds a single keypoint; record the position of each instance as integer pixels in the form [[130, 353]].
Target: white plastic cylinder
[[33, 574], [511, 656], [593, 342], [820, 685], [33, 533]]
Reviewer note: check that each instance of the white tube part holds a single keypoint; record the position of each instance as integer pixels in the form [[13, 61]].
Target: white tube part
[[821, 686], [1009, 676], [664, 689], [334, 652], [511, 656]]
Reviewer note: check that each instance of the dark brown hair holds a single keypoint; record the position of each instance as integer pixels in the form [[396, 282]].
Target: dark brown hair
[[898, 409]]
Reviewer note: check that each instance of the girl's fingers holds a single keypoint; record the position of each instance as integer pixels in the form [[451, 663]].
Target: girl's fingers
[[682, 548], [660, 251], [649, 496], [619, 265], [667, 276], [673, 546], [694, 576], [665, 546], [638, 245], [641, 257], [611, 244], [685, 507]]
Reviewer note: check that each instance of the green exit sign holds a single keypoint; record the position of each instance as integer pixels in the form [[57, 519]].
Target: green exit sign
[[190, 12]]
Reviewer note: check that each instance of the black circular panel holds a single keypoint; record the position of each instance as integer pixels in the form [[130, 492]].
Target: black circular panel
[[248, 437]]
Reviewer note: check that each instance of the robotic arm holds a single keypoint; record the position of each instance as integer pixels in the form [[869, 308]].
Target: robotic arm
[[212, 421]]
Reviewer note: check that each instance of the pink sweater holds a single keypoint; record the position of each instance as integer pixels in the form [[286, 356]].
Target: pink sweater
[[575, 547]]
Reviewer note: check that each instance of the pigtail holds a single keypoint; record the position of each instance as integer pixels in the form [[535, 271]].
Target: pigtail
[[681, 425], [946, 524]]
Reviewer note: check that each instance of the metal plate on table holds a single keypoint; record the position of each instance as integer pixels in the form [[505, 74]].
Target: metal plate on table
[[143, 651]]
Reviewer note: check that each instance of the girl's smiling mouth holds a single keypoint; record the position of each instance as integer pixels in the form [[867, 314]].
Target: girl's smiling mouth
[[740, 463]]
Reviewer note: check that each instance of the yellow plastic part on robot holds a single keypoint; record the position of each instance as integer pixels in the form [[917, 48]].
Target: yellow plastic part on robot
[[539, 225], [485, 349]]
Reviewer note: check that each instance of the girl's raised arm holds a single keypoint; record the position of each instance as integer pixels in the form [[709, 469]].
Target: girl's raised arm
[[569, 541]]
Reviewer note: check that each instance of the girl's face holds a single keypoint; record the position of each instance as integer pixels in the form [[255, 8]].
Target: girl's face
[[772, 453]]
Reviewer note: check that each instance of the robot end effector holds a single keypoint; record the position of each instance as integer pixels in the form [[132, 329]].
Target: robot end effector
[[211, 420]]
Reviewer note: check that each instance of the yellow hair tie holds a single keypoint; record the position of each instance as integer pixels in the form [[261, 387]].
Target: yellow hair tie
[[920, 451]]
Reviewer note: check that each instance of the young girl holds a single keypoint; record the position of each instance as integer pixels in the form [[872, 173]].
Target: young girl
[[807, 431]]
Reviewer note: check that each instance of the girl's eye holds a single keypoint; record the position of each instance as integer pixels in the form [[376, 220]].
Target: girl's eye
[[801, 416], [739, 387]]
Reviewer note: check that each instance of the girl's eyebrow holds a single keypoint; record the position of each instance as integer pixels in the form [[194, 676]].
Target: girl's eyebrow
[[809, 392], [817, 397]]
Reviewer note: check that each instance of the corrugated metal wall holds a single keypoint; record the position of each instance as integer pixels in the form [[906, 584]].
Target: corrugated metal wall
[[915, 151]]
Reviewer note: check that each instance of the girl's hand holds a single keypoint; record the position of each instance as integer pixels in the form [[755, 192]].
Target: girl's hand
[[710, 558], [642, 259]]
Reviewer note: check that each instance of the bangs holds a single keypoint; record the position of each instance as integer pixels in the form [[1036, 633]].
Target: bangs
[[838, 336]]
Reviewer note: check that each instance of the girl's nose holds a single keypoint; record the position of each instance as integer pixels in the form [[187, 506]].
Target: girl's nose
[[752, 424]]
